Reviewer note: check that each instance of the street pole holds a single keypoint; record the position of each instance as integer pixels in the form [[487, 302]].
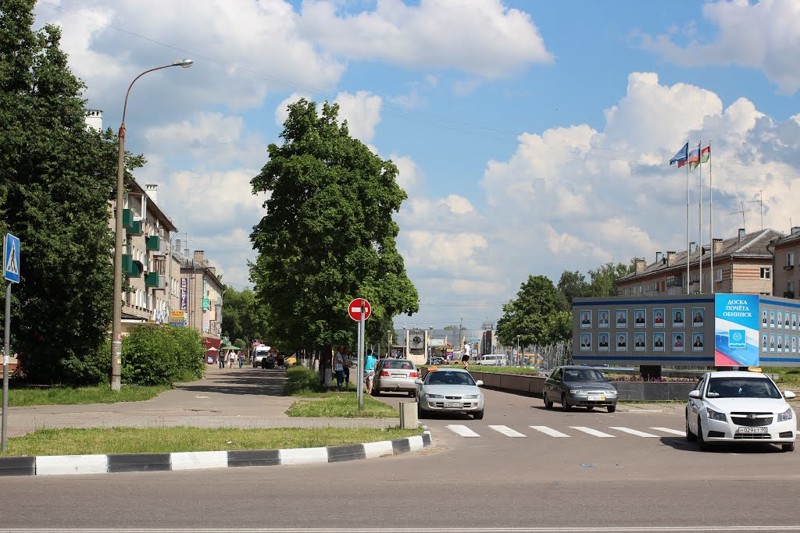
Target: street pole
[[360, 366], [116, 319], [6, 362]]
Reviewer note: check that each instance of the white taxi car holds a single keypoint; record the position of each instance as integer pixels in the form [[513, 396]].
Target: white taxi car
[[740, 407]]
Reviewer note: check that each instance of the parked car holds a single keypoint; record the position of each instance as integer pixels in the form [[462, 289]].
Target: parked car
[[395, 375], [259, 354], [449, 390], [579, 386], [493, 359], [742, 407]]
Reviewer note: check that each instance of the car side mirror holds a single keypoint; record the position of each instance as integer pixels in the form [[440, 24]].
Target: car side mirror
[[694, 393], [479, 383], [418, 381], [788, 394]]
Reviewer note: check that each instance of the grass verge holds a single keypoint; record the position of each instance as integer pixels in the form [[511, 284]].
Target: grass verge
[[342, 405], [81, 395], [188, 439]]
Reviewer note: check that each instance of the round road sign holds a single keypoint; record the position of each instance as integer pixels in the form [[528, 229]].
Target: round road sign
[[354, 309]]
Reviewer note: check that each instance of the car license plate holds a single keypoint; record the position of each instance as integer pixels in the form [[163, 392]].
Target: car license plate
[[752, 430], [452, 404], [595, 398]]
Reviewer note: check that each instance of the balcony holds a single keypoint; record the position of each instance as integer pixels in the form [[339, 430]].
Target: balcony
[[135, 228], [154, 243], [131, 268], [127, 218], [155, 281]]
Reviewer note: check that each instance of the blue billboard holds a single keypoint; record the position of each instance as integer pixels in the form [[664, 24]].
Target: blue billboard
[[736, 333]]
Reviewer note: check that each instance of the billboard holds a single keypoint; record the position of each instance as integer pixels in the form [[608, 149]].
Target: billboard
[[184, 303], [736, 330]]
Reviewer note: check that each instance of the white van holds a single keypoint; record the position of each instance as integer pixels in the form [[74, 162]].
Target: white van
[[259, 352], [493, 359]]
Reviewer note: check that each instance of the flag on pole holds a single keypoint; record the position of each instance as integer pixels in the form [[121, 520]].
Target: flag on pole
[[681, 156], [705, 154]]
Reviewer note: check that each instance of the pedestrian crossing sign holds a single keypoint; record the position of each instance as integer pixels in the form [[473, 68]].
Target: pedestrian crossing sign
[[11, 258]]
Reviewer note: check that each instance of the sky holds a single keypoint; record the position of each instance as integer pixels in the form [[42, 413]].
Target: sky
[[533, 137]]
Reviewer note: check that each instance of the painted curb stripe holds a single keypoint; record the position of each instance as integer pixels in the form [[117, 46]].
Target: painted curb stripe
[[254, 458], [139, 462], [60, 465], [346, 452], [18, 466], [304, 456], [198, 460]]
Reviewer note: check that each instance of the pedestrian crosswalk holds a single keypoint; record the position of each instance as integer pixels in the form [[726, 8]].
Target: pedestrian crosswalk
[[571, 431]]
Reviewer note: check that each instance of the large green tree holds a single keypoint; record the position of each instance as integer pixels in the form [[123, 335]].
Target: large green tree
[[328, 235], [538, 315], [57, 178], [242, 317], [604, 278]]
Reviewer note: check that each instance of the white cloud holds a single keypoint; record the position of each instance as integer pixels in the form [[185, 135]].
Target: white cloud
[[482, 38], [763, 35], [362, 112]]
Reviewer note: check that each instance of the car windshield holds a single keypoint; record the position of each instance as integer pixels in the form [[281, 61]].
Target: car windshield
[[402, 365], [583, 374], [450, 378], [742, 388]]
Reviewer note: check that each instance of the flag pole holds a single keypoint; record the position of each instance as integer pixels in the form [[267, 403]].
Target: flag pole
[[710, 216], [700, 216], [687, 223]]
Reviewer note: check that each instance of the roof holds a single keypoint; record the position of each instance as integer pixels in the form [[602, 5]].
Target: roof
[[737, 374], [749, 246]]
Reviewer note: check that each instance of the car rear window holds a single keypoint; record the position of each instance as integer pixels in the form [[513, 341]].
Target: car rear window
[[400, 365]]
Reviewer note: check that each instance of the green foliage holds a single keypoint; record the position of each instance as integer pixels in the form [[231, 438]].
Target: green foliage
[[301, 380], [604, 278], [328, 235], [158, 355], [342, 405], [57, 178], [244, 319], [21, 397], [539, 315], [573, 285]]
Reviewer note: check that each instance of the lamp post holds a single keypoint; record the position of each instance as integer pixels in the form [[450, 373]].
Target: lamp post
[[116, 326]]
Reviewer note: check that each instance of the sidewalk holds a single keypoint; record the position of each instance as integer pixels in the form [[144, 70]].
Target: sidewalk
[[244, 397]]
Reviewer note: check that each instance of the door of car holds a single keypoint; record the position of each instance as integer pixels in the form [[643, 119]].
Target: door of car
[[553, 385], [695, 404]]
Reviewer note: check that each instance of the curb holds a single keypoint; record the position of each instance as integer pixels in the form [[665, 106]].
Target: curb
[[59, 465]]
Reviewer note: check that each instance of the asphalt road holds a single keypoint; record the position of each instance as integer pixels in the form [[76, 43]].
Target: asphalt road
[[495, 481]]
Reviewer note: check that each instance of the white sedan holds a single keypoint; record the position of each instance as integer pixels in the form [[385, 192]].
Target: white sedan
[[449, 390], [740, 407]]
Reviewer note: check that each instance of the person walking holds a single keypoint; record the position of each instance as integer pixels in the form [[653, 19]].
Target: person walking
[[338, 368], [465, 355], [369, 369]]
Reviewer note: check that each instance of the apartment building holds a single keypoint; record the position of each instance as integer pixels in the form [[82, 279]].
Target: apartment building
[[201, 297], [741, 264], [786, 251]]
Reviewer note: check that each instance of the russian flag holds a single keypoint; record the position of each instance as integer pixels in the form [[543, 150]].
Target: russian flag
[[681, 156]]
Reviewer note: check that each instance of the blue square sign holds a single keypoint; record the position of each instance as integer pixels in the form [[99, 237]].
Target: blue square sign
[[11, 258]]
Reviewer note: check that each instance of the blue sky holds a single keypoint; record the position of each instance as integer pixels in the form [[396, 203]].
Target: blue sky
[[532, 137]]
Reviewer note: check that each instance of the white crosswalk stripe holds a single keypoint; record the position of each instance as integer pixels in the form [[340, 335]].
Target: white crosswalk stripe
[[462, 431], [507, 431], [593, 432], [634, 432], [549, 431], [671, 431]]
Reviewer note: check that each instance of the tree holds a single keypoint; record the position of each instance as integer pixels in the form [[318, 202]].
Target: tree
[[328, 235], [604, 278], [58, 176], [573, 285], [539, 315], [242, 317]]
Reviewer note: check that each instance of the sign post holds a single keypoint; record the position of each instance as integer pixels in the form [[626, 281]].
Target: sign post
[[11, 275], [360, 310]]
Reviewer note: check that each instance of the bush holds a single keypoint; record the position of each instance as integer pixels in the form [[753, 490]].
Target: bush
[[300, 379], [161, 355]]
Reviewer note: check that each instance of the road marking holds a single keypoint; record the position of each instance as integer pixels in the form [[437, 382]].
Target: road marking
[[462, 431], [671, 431], [507, 431], [634, 432], [593, 432], [549, 431]]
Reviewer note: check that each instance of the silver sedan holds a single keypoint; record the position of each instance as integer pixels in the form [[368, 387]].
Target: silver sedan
[[449, 390]]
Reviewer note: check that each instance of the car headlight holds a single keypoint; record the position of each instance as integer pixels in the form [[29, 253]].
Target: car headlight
[[714, 415], [786, 415], [610, 393], [429, 395], [576, 391], [471, 397]]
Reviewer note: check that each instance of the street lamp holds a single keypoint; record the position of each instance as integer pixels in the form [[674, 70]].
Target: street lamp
[[116, 319]]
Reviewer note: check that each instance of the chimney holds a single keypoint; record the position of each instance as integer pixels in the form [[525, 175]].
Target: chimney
[[178, 246], [152, 191], [670, 258], [717, 245], [658, 257], [692, 247], [200, 257], [639, 265], [94, 119], [741, 234]]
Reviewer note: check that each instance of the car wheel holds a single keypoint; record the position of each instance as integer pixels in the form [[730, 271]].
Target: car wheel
[[565, 406], [787, 447], [478, 415], [590, 407], [547, 403], [420, 412], [701, 440], [690, 437], [612, 408]]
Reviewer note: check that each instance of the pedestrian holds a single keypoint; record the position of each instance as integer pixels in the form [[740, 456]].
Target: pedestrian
[[338, 368], [221, 359], [369, 369], [232, 358], [465, 356], [346, 371], [241, 359]]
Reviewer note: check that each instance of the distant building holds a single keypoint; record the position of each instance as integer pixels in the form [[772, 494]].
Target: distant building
[[741, 264], [786, 251]]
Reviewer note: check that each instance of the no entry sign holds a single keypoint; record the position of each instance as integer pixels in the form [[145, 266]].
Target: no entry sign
[[354, 309]]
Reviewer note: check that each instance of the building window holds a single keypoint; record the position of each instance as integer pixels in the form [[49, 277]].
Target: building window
[[718, 275], [790, 259], [766, 273]]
